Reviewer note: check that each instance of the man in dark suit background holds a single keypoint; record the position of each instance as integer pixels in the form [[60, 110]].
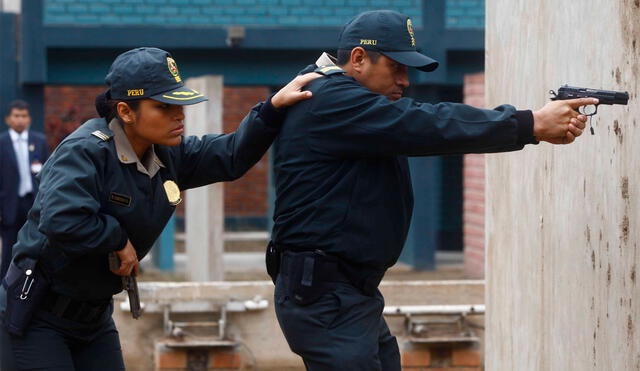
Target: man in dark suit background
[[22, 153]]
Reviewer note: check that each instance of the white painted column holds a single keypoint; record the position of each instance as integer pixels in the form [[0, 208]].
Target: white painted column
[[204, 219], [562, 222], [10, 6]]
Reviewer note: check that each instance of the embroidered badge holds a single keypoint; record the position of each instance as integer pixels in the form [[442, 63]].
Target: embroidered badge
[[173, 69], [329, 70], [410, 29], [120, 199]]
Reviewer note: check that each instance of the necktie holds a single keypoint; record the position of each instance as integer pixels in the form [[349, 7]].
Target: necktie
[[23, 167]]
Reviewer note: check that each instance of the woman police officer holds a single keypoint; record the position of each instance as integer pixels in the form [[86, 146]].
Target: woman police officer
[[111, 186]]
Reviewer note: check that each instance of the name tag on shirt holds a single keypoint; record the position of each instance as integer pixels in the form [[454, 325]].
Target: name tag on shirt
[[36, 166], [120, 199]]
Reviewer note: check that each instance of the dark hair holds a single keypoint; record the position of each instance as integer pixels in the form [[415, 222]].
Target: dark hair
[[17, 104], [107, 107], [345, 54]]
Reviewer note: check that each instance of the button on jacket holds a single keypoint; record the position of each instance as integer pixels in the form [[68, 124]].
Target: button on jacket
[[93, 198], [341, 171]]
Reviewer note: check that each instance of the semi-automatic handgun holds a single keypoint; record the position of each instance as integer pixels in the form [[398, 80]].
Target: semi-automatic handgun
[[130, 284], [604, 97]]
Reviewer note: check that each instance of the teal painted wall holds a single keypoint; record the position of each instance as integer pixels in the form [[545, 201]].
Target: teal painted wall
[[464, 14], [219, 12]]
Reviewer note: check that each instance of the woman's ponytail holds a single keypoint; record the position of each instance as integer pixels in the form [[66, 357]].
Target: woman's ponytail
[[105, 106]]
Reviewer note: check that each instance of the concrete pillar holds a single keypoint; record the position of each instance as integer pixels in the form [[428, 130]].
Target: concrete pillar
[[204, 219], [562, 233], [10, 6]]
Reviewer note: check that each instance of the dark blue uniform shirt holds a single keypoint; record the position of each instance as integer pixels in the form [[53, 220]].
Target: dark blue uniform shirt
[[341, 172], [90, 203]]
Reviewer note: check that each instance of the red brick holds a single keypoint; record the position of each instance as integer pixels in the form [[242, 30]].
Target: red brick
[[466, 357], [66, 107], [473, 193], [416, 357], [224, 359], [246, 196], [167, 358]]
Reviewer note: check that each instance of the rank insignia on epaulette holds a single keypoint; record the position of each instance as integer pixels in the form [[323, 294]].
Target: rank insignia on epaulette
[[329, 70], [101, 135]]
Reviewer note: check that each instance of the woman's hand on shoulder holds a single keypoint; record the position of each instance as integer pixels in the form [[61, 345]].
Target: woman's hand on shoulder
[[292, 93]]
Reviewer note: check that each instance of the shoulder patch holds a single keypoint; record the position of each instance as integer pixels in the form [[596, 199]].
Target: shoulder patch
[[101, 135], [329, 70]]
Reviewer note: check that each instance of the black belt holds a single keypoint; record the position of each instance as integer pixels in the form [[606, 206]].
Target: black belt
[[328, 271], [365, 278], [75, 310]]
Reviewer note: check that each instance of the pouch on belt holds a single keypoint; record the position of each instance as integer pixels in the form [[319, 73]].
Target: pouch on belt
[[310, 275], [272, 261]]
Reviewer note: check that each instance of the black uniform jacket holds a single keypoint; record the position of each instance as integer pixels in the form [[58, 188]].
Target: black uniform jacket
[[341, 172], [90, 203]]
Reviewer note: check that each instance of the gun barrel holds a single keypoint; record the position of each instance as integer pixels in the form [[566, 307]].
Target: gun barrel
[[604, 96], [610, 97]]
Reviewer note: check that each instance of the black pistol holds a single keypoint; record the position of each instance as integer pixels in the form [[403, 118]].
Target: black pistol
[[130, 284], [604, 97]]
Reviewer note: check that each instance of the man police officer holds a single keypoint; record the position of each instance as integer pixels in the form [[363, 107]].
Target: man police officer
[[343, 189]]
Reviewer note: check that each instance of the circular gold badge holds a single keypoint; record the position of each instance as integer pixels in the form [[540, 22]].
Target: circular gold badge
[[173, 69], [173, 192]]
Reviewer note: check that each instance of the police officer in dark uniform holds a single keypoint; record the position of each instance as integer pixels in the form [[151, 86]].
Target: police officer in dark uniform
[[343, 190], [110, 187]]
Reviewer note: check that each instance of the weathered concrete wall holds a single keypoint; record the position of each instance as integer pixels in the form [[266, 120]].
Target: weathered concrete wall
[[258, 331], [562, 236]]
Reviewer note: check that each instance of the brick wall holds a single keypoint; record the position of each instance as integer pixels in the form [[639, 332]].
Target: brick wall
[[179, 359], [474, 190], [246, 196], [464, 14], [413, 358], [66, 107], [220, 12], [443, 358]]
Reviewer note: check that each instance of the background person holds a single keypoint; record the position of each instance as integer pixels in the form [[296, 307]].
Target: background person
[[22, 153]]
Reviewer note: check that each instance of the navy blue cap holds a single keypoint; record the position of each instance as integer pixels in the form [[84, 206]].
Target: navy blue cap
[[389, 33], [149, 73]]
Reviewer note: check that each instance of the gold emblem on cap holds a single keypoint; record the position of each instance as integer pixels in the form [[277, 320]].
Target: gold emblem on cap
[[173, 69], [173, 192], [410, 29]]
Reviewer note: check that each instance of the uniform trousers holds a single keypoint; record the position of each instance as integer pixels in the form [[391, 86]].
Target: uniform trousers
[[343, 330], [57, 344], [10, 232]]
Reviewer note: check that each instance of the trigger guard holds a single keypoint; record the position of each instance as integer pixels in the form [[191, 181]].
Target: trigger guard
[[581, 110]]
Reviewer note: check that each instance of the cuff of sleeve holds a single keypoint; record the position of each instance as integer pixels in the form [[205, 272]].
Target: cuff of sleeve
[[273, 117], [123, 240], [525, 127]]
